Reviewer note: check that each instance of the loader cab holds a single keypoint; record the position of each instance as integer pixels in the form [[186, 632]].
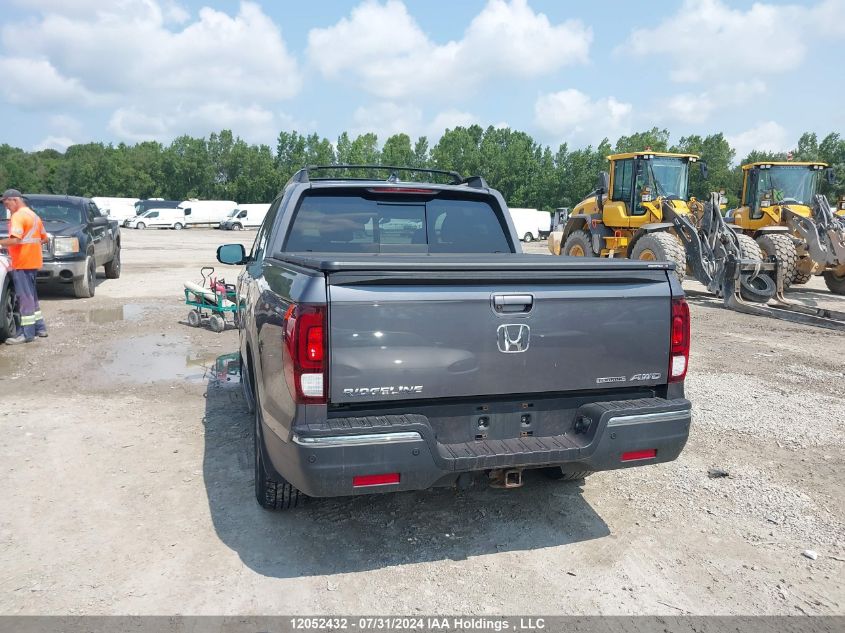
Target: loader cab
[[637, 180], [768, 186]]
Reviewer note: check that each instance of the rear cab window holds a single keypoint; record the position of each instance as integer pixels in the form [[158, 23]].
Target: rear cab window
[[359, 221]]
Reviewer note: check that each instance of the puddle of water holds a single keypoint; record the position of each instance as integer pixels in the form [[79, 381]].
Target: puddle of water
[[128, 312], [157, 358]]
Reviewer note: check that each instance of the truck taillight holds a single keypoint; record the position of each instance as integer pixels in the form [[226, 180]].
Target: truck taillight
[[305, 352], [680, 340]]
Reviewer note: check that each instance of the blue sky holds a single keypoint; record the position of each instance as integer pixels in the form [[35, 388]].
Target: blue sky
[[131, 70]]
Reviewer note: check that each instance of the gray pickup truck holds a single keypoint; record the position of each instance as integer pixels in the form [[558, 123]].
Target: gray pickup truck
[[394, 337]]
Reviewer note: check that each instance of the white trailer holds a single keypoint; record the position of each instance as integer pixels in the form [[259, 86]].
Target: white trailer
[[118, 209], [206, 212]]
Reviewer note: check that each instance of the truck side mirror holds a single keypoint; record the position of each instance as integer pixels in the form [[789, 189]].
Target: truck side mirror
[[829, 176], [233, 254], [705, 172]]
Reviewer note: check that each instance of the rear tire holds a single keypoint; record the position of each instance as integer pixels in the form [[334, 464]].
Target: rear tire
[[8, 327], [554, 472], [84, 287], [578, 244], [783, 249], [761, 288], [113, 267], [662, 246], [271, 494], [835, 282]]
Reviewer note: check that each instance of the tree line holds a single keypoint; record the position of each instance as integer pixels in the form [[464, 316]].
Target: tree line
[[223, 166]]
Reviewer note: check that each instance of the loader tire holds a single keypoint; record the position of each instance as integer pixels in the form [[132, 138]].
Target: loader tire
[[800, 279], [835, 281], [662, 247], [578, 244], [783, 249], [761, 288]]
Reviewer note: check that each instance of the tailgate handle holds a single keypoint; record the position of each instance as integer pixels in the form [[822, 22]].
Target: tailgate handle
[[508, 304]]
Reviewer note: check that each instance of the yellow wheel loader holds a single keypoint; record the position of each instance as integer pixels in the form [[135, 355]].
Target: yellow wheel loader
[[641, 210], [627, 215], [782, 210]]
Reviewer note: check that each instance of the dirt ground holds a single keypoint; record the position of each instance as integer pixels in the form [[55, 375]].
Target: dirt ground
[[127, 483]]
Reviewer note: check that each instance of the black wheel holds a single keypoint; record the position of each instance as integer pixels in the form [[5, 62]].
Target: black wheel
[[217, 323], [8, 325], [528, 238], [84, 287], [194, 318], [554, 472], [113, 267], [140, 226], [662, 247], [236, 227], [835, 280], [177, 226], [782, 248], [578, 244], [760, 288], [271, 494]]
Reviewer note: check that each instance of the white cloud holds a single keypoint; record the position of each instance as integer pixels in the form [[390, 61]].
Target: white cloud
[[447, 120], [58, 143], [765, 137], [254, 123], [708, 40], [573, 116], [385, 51], [388, 118], [35, 83], [220, 69], [692, 107], [64, 124]]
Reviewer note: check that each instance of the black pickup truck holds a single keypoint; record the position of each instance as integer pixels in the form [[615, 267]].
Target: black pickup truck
[[394, 337], [81, 240]]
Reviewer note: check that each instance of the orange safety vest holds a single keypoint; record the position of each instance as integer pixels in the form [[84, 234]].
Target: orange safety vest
[[29, 228]]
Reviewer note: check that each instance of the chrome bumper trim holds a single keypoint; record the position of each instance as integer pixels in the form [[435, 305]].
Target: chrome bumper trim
[[358, 440], [645, 418]]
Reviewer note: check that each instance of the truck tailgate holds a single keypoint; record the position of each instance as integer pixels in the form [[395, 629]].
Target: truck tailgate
[[400, 332]]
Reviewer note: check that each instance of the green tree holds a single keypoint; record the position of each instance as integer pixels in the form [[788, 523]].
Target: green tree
[[655, 138], [397, 151]]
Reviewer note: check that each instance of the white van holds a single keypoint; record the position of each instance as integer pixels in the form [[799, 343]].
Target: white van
[[118, 209], [530, 224], [210, 212], [158, 219], [245, 216]]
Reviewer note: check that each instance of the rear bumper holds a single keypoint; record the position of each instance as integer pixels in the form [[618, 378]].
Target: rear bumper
[[322, 462], [61, 270]]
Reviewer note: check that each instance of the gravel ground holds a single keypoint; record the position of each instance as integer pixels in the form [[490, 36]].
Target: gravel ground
[[128, 483]]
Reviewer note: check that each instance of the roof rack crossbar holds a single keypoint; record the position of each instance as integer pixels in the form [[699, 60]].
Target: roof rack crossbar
[[304, 174]]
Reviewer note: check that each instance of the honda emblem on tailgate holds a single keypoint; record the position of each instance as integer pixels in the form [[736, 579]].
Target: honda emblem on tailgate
[[513, 338]]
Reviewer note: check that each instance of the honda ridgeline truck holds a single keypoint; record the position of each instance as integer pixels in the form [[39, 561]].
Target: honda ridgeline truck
[[394, 337]]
